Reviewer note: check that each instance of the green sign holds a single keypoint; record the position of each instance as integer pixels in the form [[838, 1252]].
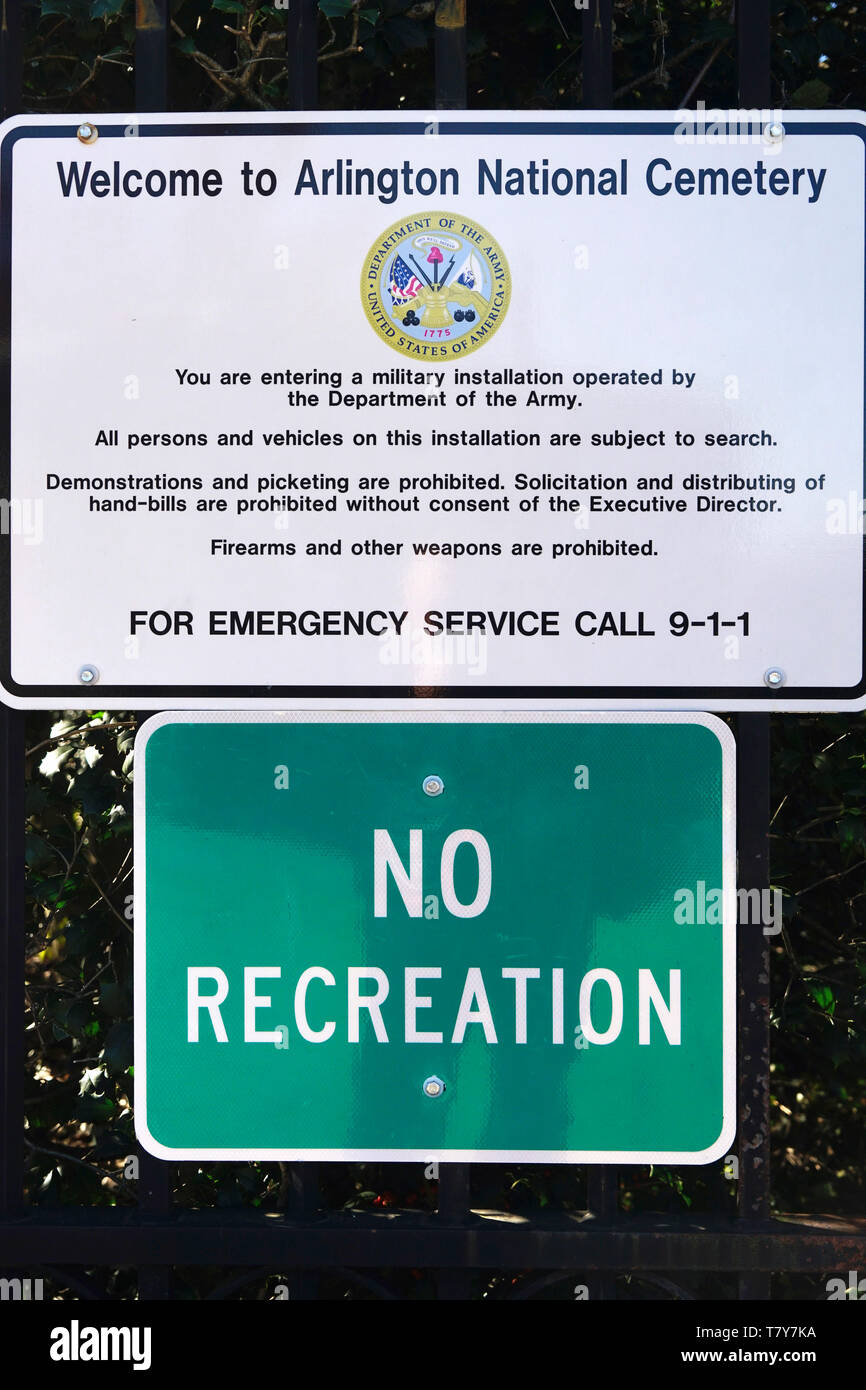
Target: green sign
[[428, 935]]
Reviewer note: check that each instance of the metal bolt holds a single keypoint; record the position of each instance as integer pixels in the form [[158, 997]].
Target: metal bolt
[[433, 786], [87, 133], [775, 131], [88, 675], [433, 1086], [774, 678]]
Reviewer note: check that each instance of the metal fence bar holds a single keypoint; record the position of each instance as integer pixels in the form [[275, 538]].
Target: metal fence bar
[[597, 64], [11, 64], [151, 94], [155, 1180], [151, 55], [97, 1237], [11, 960], [753, 52], [301, 1206], [753, 814], [753, 818], [602, 1192], [454, 1187], [597, 57], [302, 1179], [753, 983], [302, 55], [11, 806], [449, 53], [455, 1181]]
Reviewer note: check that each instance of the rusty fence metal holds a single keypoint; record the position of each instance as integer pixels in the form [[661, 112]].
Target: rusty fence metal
[[157, 1239]]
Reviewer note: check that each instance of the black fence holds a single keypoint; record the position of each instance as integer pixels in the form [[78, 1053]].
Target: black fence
[[304, 1243]]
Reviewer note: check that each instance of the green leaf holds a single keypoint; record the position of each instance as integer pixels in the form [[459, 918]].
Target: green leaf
[[48, 890], [335, 9], [114, 1000], [82, 935], [117, 1052], [93, 1109], [813, 94], [228, 6], [91, 1077], [74, 1016], [95, 790], [823, 996], [37, 854]]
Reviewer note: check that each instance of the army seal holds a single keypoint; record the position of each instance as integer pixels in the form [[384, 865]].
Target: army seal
[[435, 285]]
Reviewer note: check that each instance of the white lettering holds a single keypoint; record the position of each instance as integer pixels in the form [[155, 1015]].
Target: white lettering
[[520, 974], [614, 1029], [313, 1035], [668, 1014], [485, 873], [409, 884], [196, 1002], [419, 1001], [370, 1002], [253, 1001], [474, 989]]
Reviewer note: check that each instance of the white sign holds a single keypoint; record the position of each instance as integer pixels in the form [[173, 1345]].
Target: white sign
[[554, 408]]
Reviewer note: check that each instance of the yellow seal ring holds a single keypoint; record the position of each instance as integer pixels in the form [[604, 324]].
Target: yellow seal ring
[[446, 319]]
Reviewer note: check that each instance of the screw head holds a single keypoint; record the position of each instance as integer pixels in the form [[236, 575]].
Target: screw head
[[774, 678], [433, 1087], [433, 785], [87, 133], [775, 131], [88, 675]]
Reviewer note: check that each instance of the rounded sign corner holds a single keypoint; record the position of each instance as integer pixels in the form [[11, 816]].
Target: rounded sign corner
[[149, 1142], [719, 728], [151, 726], [858, 120], [719, 1149], [12, 130], [13, 695]]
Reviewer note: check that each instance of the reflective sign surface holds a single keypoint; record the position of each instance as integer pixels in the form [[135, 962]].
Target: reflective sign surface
[[468, 936]]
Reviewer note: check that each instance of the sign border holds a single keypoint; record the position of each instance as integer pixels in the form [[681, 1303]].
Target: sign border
[[379, 716], [19, 696]]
